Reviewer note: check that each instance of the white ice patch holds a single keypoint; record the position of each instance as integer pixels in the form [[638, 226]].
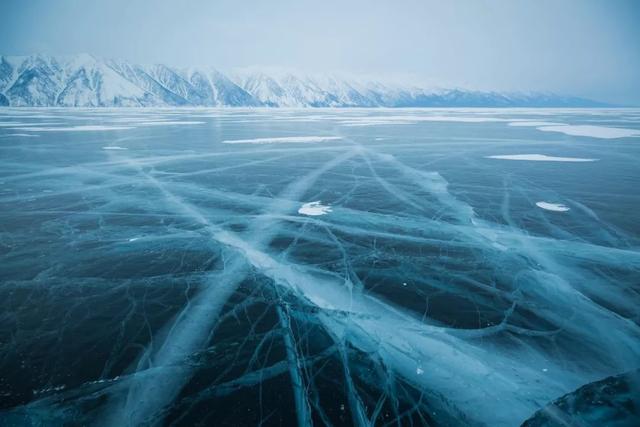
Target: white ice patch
[[82, 128], [314, 209], [461, 119], [11, 124], [534, 123], [114, 147], [592, 131], [167, 123], [26, 135], [556, 207], [287, 139], [539, 158], [410, 119], [357, 123]]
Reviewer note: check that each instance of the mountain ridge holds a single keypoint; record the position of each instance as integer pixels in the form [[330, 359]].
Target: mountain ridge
[[85, 80]]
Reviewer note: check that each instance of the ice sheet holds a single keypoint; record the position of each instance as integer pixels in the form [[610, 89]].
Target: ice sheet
[[178, 282]]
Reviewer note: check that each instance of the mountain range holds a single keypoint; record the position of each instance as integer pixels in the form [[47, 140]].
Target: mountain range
[[87, 81]]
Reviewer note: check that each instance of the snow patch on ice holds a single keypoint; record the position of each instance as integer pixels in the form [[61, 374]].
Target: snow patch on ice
[[539, 158], [28, 135], [461, 119], [534, 124], [287, 139], [592, 131], [409, 119], [556, 207], [314, 209], [167, 123], [11, 124], [114, 147], [357, 123], [81, 128]]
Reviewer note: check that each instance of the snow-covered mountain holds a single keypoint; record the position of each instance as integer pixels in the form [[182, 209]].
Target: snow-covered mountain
[[87, 81]]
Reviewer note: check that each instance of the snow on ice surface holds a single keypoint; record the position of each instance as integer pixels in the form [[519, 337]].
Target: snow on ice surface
[[113, 147], [181, 283], [314, 209], [533, 123], [539, 158], [92, 128], [11, 124], [79, 128], [415, 118], [556, 207], [25, 135], [168, 123], [281, 140], [592, 131]]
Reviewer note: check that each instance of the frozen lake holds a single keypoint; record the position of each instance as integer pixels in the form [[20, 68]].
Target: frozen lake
[[335, 267]]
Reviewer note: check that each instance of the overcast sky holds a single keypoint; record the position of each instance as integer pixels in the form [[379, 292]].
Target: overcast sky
[[582, 47]]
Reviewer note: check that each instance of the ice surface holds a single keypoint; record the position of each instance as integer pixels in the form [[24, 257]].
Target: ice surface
[[539, 158], [178, 282], [556, 207], [613, 401]]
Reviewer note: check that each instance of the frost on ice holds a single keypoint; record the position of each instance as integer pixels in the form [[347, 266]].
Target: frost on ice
[[314, 209]]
